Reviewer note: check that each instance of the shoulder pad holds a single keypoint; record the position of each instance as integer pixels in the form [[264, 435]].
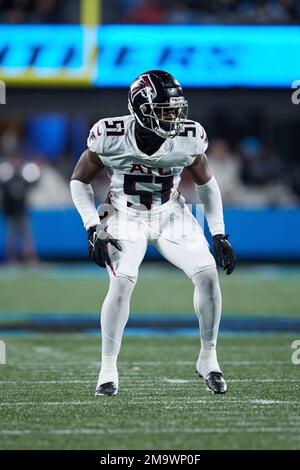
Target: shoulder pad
[[113, 128], [95, 139], [202, 141], [197, 136]]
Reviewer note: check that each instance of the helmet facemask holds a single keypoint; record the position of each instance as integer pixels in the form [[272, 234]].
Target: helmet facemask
[[166, 119], [157, 103]]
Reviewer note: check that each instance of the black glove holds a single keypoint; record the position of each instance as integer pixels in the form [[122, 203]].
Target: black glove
[[98, 241], [225, 255]]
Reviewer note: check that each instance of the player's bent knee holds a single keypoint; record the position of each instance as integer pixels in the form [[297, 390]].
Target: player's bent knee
[[208, 276], [121, 288], [123, 280]]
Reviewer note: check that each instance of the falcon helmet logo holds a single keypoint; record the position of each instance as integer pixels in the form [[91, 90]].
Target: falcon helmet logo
[[143, 85]]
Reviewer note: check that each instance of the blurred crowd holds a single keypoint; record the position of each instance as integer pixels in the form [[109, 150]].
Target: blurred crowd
[[249, 171], [250, 175], [156, 11], [207, 11], [39, 11], [45, 183], [36, 162], [28, 180]]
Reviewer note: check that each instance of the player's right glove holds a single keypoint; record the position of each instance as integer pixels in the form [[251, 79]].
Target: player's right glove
[[98, 241], [225, 255]]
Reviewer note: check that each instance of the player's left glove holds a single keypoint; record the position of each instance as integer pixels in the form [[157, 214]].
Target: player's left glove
[[225, 255], [98, 244]]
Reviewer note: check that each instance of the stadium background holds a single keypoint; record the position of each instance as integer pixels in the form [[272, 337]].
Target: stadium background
[[67, 64]]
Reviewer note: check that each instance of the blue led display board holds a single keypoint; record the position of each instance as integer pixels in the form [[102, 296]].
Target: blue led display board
[[113, 55], [207, 56], [44, 54]]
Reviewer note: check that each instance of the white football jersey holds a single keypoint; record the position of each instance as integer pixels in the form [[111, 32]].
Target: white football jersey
[[138, 178]]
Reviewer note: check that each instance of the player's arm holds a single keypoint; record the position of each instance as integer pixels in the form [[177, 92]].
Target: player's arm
[[88, 167], [209, 195]]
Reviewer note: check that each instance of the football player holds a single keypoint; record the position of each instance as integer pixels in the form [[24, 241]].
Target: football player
[[144, 154]]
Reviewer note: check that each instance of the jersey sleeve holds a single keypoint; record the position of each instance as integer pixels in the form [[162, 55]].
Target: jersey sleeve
[[95, 141], [202, 141]]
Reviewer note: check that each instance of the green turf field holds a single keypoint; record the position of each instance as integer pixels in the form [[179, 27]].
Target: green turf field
[[47, 387], [160, 289], [47, 402]]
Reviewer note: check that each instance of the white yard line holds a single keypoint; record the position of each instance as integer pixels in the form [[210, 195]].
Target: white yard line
[[48, 403], [157, 399], [224, 430], [287, 380], [135, 379], [51, 382]]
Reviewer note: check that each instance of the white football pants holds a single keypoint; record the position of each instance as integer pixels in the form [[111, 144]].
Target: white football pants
[[180, 239]]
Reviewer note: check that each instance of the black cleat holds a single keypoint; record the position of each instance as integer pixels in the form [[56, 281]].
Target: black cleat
[[215, 382], [106, 390]]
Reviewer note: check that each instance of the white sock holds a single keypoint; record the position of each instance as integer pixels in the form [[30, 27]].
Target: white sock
[[114, 316], [108, 371], [207, 362], [208, 304]]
